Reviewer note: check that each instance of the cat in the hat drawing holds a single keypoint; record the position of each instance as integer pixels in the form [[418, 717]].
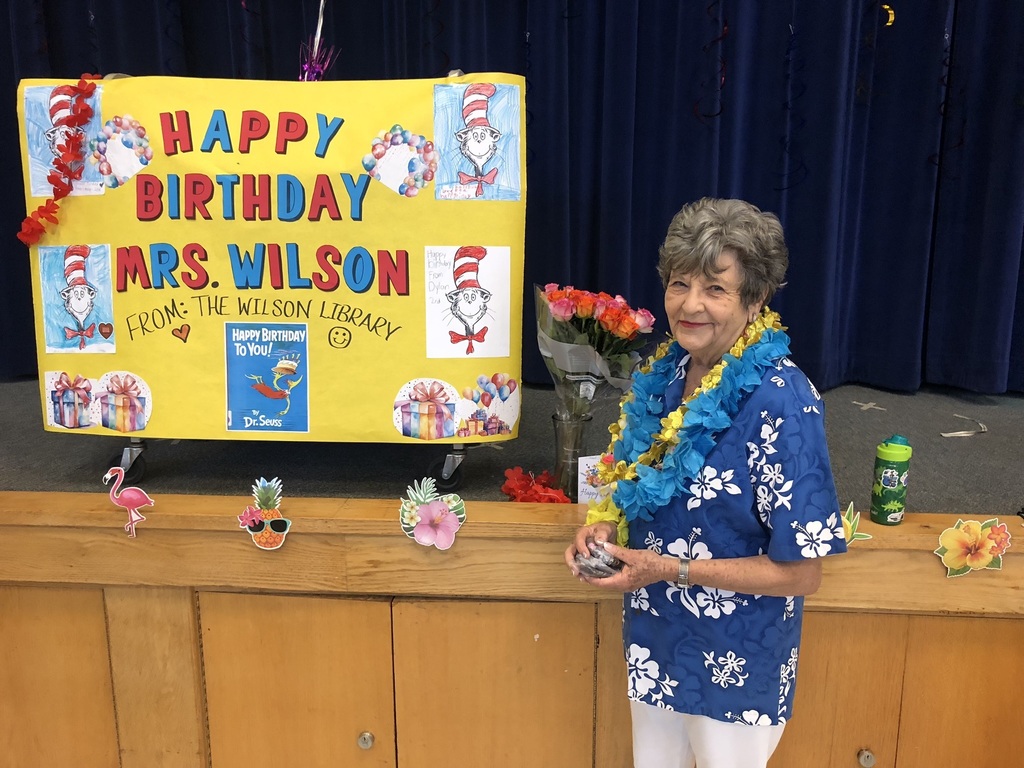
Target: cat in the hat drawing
[[49, 119], [60, 117], [477, 128], [478, 141], [79, 296], [468, 302]]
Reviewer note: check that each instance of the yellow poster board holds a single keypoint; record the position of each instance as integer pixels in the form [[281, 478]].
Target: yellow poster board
[[324, 261]]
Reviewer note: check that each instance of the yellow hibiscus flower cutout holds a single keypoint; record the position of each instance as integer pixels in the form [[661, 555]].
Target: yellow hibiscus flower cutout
[[970, 546]]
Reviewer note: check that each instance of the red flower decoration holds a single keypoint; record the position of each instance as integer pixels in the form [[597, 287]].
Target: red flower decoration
[[525, 486], [1000, 538], [48, 211], [30, 231], [61, 186], [85, 87], [69, 165]]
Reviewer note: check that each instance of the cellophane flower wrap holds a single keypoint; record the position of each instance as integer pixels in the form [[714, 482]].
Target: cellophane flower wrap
[[590, 342]]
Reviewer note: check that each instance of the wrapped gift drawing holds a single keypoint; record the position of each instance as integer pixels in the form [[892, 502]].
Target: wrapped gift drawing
[[70, 401], [122, 406], [427, 414]]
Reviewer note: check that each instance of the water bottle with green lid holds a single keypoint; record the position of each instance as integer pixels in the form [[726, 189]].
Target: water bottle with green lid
[[889, 493]]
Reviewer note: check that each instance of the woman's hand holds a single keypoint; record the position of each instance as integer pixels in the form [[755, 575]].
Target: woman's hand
[[602, 532], [757, 575], [640, 567]]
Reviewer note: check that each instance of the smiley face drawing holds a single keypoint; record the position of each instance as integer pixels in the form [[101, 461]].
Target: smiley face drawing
[[339, 337]]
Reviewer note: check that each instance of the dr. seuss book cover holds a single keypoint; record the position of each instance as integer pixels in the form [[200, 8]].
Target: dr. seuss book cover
[[267, 377]]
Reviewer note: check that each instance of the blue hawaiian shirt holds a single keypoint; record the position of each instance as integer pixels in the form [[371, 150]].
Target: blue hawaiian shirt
[[765, 488]]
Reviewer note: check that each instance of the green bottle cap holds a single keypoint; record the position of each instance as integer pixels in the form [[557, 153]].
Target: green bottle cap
[[896, 448]]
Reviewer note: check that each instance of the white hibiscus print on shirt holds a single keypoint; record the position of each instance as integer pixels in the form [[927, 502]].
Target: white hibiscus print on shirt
[[813, 538], [718, 602], [645, 676], [771, 488], [749, 717], [709, 484], [643, 670], [726, 670], [787, 676], [640, 601], [693, 550], [690, 548], [772, 474], [653, 543], [764, 503]]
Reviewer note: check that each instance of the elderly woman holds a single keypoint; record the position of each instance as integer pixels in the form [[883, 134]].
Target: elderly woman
[[718, 477]]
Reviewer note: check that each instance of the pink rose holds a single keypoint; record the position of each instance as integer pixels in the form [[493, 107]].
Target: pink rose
[[645, 320], [562, 309]]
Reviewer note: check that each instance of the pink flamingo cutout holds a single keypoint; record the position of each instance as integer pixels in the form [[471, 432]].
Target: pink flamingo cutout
[[130, 498]]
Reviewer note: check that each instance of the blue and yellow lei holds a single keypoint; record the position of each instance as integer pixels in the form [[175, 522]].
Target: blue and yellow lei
[[651, 459]]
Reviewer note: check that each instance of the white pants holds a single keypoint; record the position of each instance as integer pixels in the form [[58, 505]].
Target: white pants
[[666, 739]]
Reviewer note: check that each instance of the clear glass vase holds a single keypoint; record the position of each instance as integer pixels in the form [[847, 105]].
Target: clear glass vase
[[569, 431]]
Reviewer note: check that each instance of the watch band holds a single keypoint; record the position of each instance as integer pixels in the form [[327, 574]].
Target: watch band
[[683, 579]]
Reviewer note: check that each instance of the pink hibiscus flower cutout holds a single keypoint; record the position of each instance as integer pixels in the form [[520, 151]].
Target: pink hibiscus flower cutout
[[437, 525]]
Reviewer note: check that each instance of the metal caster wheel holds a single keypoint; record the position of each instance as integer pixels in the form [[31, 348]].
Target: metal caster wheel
[[447, 471], [134, 472], [130, 460]]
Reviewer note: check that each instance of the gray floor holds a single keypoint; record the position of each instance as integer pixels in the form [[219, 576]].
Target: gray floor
[[978, 475]]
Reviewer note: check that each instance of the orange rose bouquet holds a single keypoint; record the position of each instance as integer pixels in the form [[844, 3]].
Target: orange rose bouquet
[[590, 342]]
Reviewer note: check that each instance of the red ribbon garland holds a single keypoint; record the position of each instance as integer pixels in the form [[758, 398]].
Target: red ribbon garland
[[69, 164]]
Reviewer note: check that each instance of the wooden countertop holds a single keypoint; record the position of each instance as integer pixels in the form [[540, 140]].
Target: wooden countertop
[[504, 551]]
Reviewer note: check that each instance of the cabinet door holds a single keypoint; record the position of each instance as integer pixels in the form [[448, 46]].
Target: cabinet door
[[962, 692], [155, 669], [294, 681], [56, 705], [494, 683], [849, 680]]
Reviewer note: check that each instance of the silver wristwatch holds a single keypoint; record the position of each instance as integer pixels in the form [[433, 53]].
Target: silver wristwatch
[[683, 579]]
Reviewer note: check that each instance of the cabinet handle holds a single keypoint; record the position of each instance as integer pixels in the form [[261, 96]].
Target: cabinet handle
[[365, 740], [866, 758]]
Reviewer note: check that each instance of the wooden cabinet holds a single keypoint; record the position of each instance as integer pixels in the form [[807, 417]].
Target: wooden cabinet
[[962, 689], [296, 680], [497, 684], [291, 677], [849, 690], [171, 678], [917, 691], [189, 648], [55, 690]]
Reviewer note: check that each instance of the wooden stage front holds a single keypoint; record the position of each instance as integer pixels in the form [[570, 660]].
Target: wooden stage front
[[354, 646]]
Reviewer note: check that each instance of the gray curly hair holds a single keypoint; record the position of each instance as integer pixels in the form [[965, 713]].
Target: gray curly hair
[[699, 233]]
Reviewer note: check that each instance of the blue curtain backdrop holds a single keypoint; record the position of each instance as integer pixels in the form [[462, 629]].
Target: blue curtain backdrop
[[889, 138]]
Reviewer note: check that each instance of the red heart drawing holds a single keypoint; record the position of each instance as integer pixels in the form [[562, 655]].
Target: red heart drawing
[[182, 333], [105, 330]]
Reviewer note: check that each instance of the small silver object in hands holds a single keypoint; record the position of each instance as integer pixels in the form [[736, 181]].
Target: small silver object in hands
[[600, 564]]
